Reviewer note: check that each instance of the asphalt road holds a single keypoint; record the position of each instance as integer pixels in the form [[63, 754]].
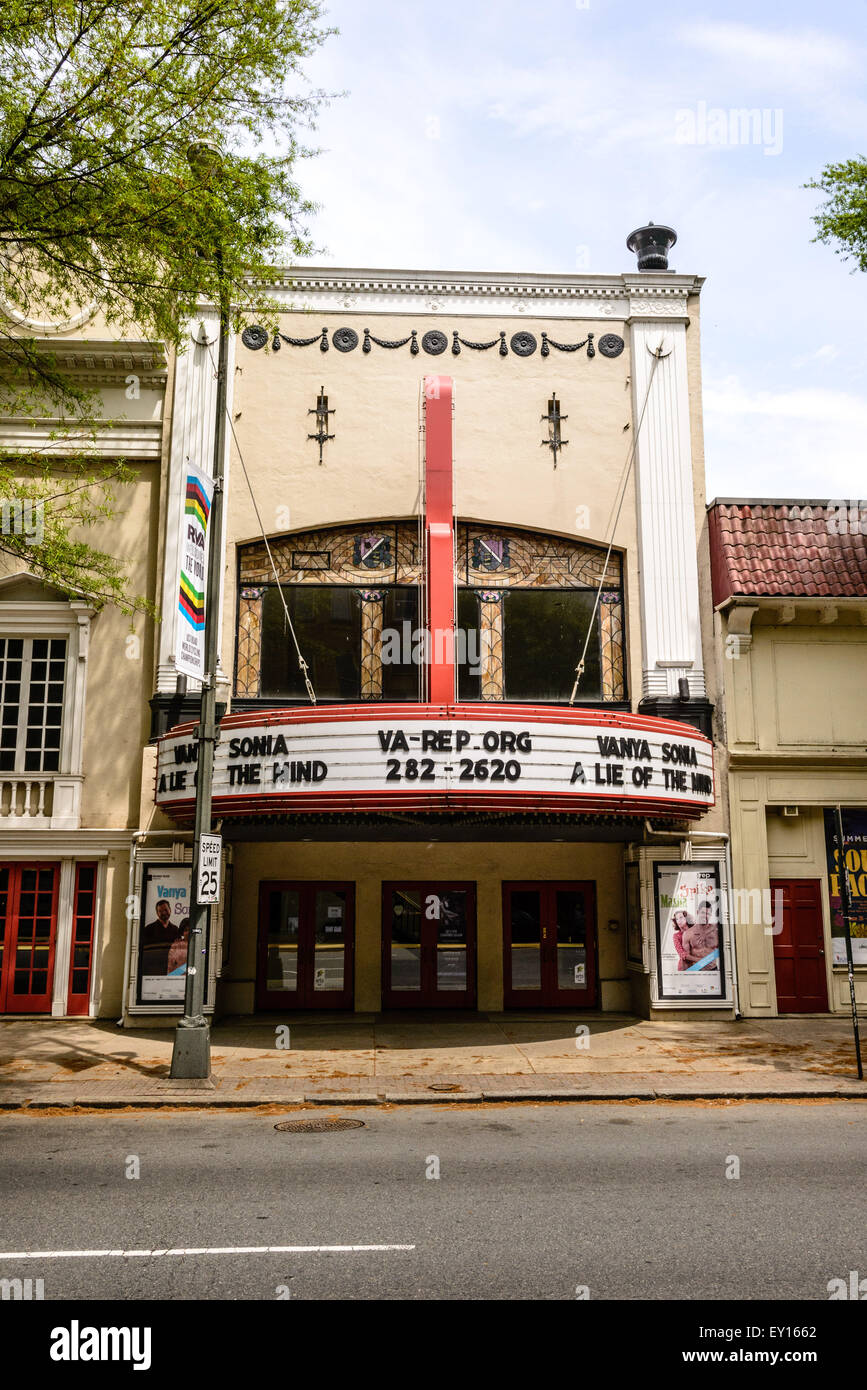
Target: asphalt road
[[531, 1202]]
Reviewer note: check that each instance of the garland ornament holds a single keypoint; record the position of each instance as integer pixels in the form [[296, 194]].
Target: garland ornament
[[434, 342], [548, 343], [457, 341], [321, 339], [384, 342]]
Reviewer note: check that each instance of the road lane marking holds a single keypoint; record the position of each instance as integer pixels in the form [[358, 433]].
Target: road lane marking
[[200, 1250]]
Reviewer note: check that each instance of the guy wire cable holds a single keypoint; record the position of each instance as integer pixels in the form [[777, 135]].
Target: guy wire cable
[[579, 669], [305, 669]]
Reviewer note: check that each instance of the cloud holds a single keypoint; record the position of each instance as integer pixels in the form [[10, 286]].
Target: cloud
[[783, 443], [826, 353], [799, 57]]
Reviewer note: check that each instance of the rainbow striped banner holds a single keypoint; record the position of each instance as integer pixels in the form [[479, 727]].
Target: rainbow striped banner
[[198, 503], [193, 573]]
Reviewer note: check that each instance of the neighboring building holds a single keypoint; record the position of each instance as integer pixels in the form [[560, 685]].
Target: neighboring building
[[74, 685], [790, 594], [445, 452]]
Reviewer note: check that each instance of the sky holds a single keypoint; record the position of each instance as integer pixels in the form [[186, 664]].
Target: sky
[[534, 135]]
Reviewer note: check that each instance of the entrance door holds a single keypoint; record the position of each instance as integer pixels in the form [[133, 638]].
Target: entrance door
[[306, 940], [549, 932], [429, 945], [799, 949], [28, 927]]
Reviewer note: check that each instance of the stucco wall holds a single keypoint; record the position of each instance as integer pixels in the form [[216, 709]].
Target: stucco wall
[[370, 864], [797, 735], [372, 468]]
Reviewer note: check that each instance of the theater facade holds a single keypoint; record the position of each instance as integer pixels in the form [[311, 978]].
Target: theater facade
[[466, 758]]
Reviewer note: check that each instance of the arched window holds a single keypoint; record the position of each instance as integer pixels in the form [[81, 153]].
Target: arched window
[[525, 601]]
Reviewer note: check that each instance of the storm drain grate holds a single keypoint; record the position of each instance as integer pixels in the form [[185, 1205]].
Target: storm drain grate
[[318, 1125]]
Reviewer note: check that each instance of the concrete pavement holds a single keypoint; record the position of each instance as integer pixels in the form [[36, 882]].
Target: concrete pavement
[[367, 1059]]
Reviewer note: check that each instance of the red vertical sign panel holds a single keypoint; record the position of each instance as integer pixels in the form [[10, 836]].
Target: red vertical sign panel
[[439, 528]]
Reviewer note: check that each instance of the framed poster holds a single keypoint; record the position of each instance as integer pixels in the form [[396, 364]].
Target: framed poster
[[634, 943], [855, 844], [689, 946], [164, 930]]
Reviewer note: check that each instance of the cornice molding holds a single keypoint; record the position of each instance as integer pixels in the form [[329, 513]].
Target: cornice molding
[[63, 844], [130, 439], [107, 362], [312, 288]]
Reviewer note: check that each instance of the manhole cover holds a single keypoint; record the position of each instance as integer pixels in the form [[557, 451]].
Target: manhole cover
[[444, 1086], [318, 1125]]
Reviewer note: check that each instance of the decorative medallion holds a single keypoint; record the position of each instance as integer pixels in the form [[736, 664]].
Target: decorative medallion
[[345, 339], [611, 345], [254, 337], [522, 344], [490, 553], [434, 342], [373, 552]]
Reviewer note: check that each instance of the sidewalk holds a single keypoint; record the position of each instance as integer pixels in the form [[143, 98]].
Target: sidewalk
[[367, 1059]]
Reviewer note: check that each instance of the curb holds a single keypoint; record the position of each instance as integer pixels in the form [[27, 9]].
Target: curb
[[210, 1100]]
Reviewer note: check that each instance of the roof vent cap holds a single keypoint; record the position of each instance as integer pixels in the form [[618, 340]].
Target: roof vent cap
[[651, 245]]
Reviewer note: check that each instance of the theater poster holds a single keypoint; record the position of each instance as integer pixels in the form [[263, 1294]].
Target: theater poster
[[855, 844], [689, 943], [164, 932]]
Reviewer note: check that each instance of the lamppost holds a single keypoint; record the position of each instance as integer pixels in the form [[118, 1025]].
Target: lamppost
[[191, 1055]]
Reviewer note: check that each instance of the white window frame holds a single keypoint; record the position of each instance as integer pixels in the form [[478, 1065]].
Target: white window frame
[[49, 618], [24, 701]]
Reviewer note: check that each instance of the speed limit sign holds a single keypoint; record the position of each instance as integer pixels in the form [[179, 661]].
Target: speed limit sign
[[208, 887]]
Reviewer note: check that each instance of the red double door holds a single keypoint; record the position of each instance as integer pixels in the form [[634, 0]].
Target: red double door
[[28, 931], [429, 945], [550, 945], [306, 943], [799, 948]]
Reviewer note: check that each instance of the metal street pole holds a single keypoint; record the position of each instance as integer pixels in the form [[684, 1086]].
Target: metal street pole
[[191, 1056], [846, 903]]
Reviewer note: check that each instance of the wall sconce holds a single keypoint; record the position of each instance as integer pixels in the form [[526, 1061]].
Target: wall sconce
[[555, 440], [322, 413]]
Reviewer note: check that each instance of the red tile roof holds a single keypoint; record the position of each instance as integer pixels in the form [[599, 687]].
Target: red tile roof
[[791, 549]]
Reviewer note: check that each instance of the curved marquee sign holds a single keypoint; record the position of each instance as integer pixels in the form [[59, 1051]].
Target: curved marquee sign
[[435, 757]]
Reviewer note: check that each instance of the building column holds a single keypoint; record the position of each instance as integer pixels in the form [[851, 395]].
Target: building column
[[63, 938], [670, 614]]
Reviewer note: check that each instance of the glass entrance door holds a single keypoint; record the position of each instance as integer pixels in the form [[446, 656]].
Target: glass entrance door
[[306, 942], [549, 932], [429, 945], [28, 927]]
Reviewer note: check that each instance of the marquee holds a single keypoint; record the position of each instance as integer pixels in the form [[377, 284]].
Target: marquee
[[438, 757]]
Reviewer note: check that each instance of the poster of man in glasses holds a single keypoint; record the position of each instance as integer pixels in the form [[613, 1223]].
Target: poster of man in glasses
[[164, 934]]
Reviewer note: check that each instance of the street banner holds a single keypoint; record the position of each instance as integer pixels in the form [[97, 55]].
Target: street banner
[[855, 838], [689, 940], [192, 573]]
